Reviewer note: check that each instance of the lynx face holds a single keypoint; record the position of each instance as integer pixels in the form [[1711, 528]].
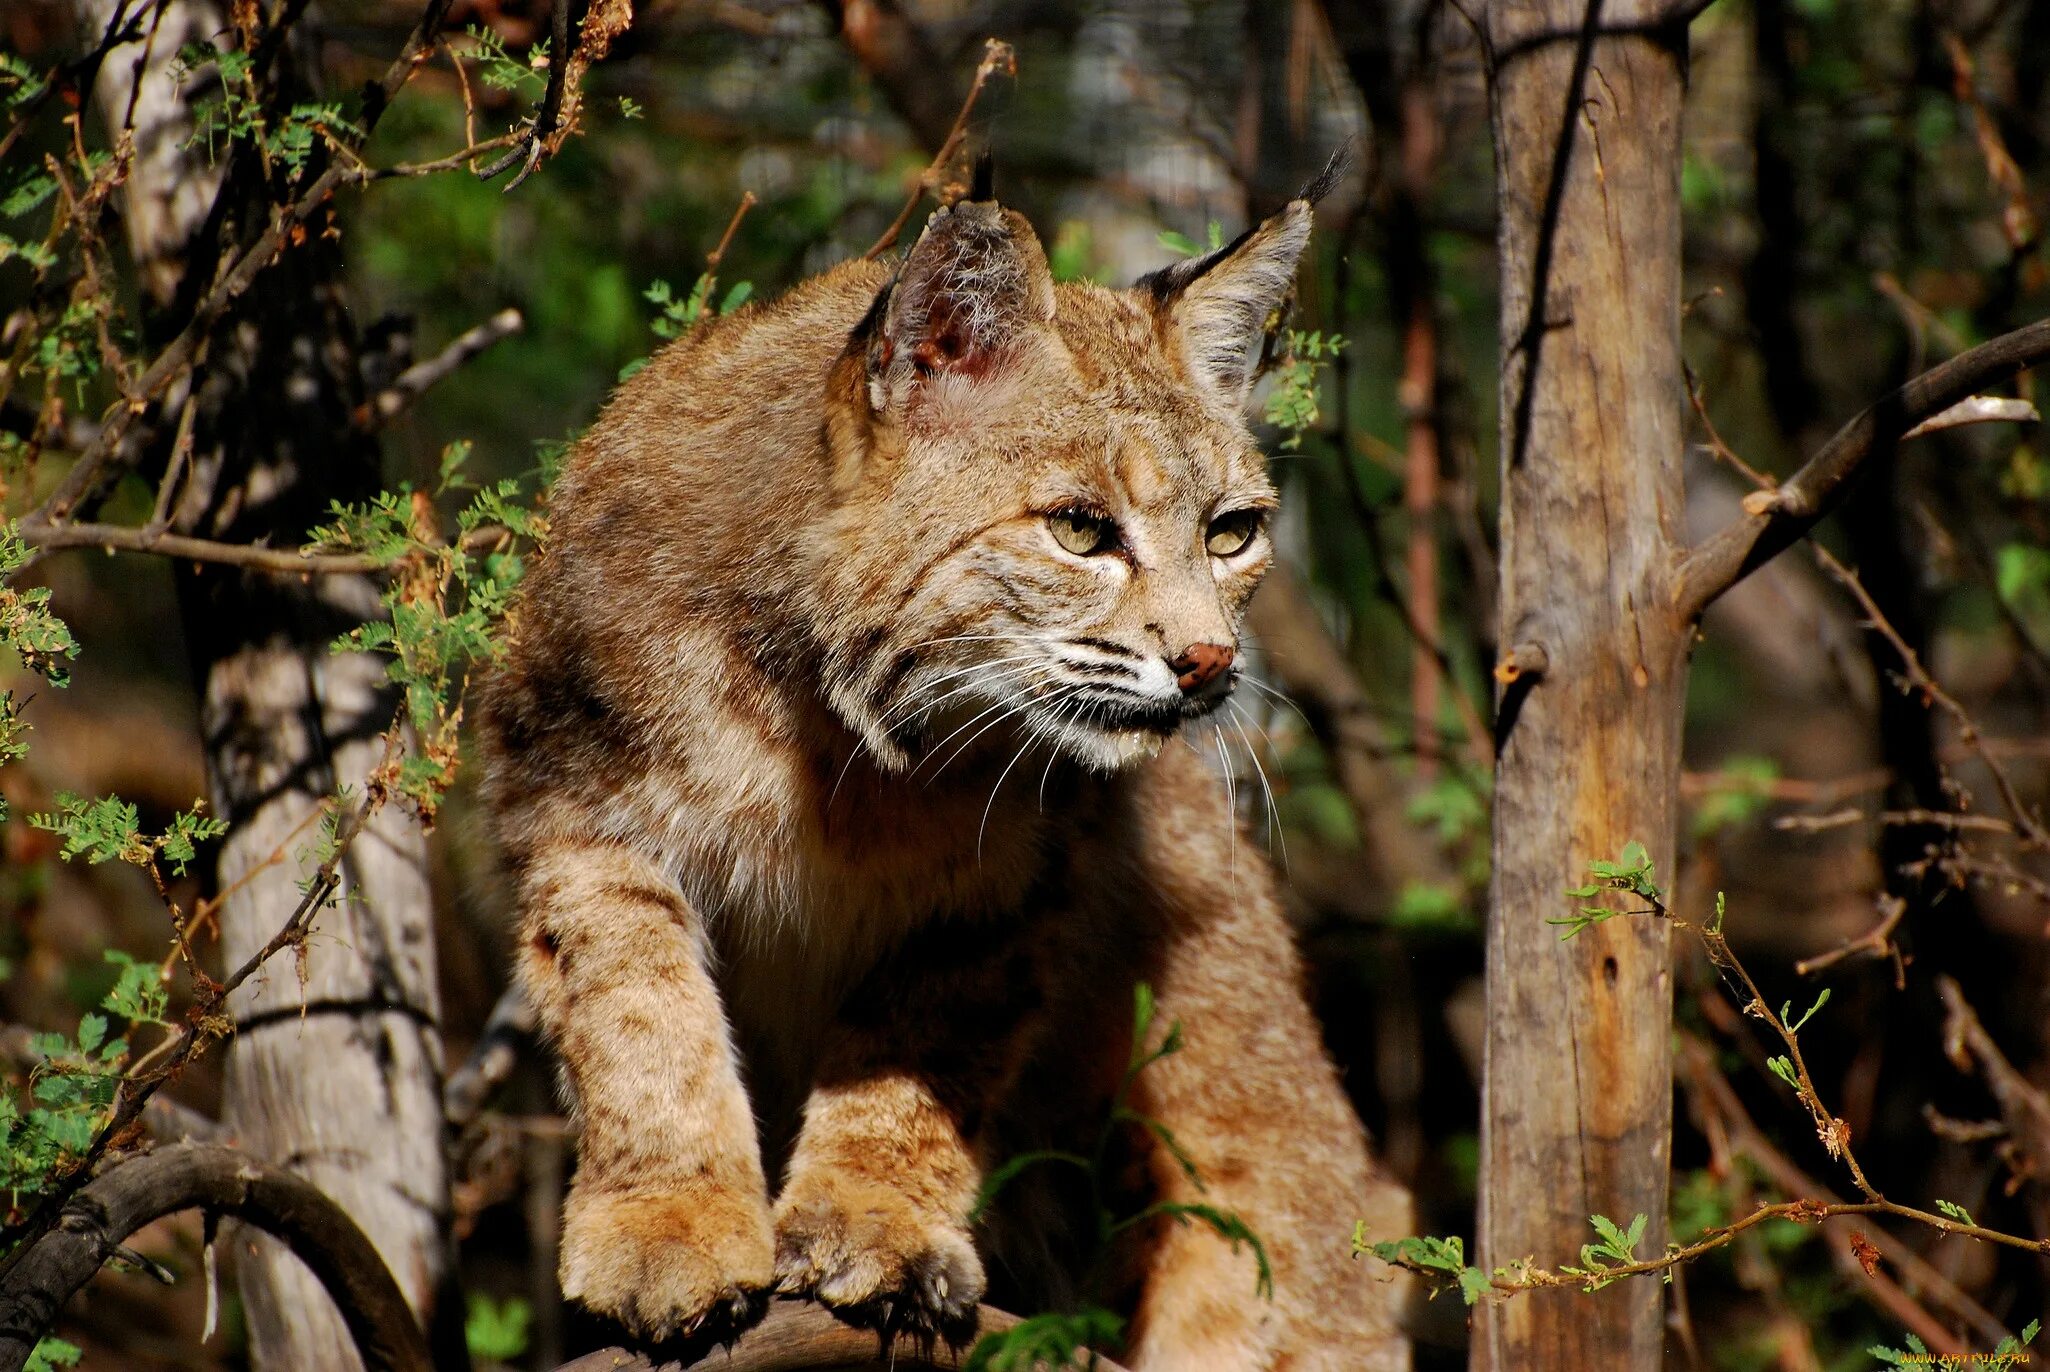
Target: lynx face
[[1049, 510]]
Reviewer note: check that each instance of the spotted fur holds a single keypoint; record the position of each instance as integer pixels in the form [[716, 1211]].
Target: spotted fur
[[847, 804]]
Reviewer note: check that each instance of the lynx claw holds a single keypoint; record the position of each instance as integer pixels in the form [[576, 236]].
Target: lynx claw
[[878, 1265], [669, 1268]]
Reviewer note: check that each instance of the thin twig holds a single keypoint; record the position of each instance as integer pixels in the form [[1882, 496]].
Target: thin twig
[[120, 538], [997, 57], [414, 382], [1774, 522]]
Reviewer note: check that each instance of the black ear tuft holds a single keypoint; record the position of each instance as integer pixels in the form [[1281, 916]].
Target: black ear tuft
[[982, 187], [1334, 171]]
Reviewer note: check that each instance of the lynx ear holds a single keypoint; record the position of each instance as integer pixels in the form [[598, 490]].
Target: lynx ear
[[971, 288], [1223, 306]]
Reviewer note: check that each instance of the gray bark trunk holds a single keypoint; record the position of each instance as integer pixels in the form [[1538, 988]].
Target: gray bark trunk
[[335, 1069], [1577, 1100]]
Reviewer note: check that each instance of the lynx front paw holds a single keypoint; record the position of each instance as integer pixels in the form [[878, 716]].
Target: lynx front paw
[[691, 1263], [876, 1261]]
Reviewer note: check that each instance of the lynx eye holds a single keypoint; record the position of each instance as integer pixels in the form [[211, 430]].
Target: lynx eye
[[1082, 532], [1230, 533]]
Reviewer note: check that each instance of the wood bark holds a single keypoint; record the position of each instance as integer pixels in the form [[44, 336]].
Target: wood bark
[[221, 1181], [797, 1336], [335, 1069], [1577, 1098]]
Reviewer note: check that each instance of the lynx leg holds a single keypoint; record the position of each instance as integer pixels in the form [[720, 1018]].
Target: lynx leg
[[1256, 1104], [874, 1217], [666, 1228]]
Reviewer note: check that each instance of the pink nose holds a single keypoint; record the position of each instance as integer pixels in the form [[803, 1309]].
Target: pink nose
[[1200, 664]]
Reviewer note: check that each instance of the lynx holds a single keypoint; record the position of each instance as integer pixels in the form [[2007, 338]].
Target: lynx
[[845, 760]]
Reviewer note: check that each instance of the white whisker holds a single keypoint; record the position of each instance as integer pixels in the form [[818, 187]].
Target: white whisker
[[1034, 734], [1273, 810]]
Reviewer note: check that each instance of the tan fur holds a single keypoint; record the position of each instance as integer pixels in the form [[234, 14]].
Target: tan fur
[[824, 767]]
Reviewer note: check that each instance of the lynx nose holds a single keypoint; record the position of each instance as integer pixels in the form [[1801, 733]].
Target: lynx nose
[[1200, 664]]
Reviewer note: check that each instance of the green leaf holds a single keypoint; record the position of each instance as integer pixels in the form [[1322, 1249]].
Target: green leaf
[[495, 1332], [1795, 1027], [50, 1354], [1956, 1212], [997, 1180], [92, 1032], [1473, 1284], [1142, 1022], [1045, 1343]]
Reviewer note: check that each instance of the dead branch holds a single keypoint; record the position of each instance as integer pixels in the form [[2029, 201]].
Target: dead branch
[[413, 382], [510, 1027], [120, 538], [1876, 941], [1776, 522], [286, 224], [220, 1181], [997, 57], [798, 1335], [2023, 1104]]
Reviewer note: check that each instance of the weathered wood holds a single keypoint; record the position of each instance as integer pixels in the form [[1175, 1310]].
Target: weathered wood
[[1577, 1101], [225, 1182], [798, 1336]]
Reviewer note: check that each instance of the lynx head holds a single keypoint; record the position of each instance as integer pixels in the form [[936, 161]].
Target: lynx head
[[1048, 512]]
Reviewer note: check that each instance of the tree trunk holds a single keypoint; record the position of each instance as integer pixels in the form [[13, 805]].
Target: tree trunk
[[335, 1069], [1577, 1100]]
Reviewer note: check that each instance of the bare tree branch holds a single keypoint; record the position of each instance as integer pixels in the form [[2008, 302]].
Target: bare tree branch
[[120, 538], [1772, 525], [491, 1062], [221, 1181], [414, 381], [997, 58], [797, 1335]]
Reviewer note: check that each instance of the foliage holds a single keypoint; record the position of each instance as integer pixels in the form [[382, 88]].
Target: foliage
[[446, 601], [234, 109], [1184, 246], [110, 830], [27, 626], [2007, 1353], [496, 1331], [1632, 874], [1045, 1342], [500, 70], [1054, 1340], [674, 317], [1738, 793], [50, 1354], [1294, 405], [70, 1092]]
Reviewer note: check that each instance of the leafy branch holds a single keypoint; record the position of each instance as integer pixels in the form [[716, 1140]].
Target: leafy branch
[[1613, 1256]]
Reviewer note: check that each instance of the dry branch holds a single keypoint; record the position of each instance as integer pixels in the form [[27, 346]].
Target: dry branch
[[413, 382], [491, 1062], [220, 1181], [120, 538], [997, 57], [1778, 522], [797, 1336]]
